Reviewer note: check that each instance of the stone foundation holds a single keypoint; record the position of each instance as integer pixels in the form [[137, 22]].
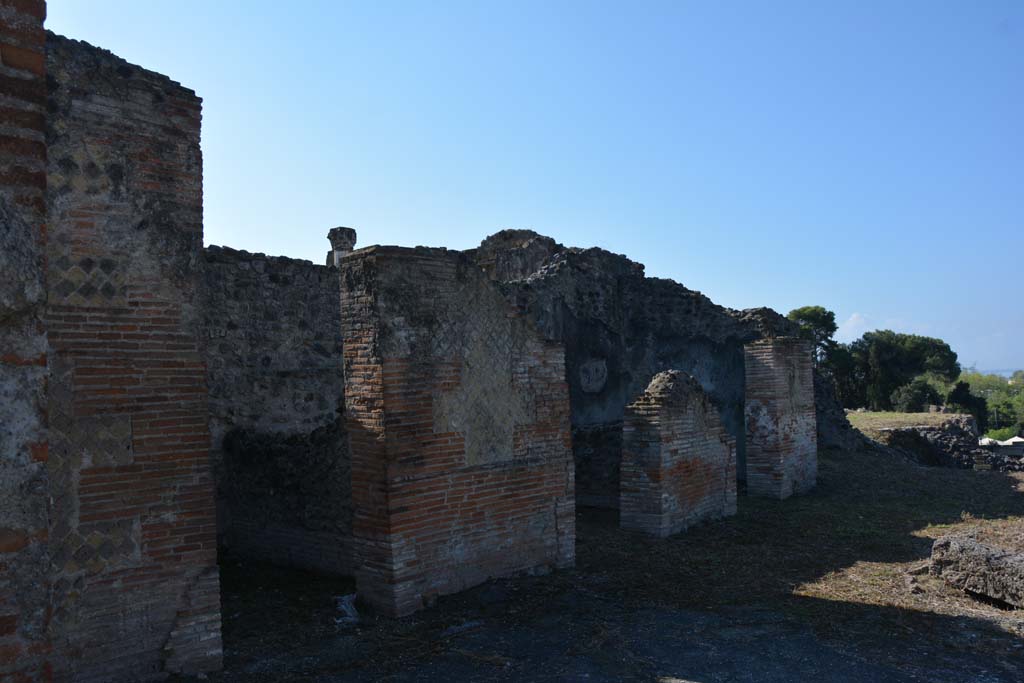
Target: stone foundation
[[678, 462]]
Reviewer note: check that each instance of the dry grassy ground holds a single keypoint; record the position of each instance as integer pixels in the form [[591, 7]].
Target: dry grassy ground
[[825, 586], [873, 423]]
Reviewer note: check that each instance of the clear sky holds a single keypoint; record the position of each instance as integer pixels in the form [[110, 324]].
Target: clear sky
[[865, 156]]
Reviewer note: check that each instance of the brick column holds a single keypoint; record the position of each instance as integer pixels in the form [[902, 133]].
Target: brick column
[[132, 528], [24, 480], [678, 462], [457, 413], [782, 441]]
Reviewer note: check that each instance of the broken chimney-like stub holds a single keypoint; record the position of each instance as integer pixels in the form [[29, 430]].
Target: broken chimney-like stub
[[343, 240]]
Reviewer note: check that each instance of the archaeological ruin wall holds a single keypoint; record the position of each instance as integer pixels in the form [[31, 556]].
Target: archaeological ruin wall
[[24, 480], [132, 524], [458, 416], [782, 437], [620, 329], [678, 461], [406, 416], [272, 343]]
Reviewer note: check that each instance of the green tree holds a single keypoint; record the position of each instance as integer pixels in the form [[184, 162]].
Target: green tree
[[1004, 398], [817, 324], [846, 376], [1002, 412], [884, 361], [915, 396], [962, 400]]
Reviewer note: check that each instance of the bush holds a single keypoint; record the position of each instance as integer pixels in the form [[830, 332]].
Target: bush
[[914, 397], [1003, 434], [961, 400]]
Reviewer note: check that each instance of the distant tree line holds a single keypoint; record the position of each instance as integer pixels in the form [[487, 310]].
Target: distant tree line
[[886, 370]]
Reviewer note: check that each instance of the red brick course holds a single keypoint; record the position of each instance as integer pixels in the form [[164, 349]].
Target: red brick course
[[678, 461], [133, 522], [457, 415]]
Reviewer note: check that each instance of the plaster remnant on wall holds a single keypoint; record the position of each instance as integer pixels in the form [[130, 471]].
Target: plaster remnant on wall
[[782, 435]]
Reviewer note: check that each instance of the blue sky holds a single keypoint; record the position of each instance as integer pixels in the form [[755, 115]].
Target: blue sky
[[865, 156]]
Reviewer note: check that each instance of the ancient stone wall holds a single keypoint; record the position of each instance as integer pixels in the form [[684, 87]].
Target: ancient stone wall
[[782, 440], [24, 485], [834, 429], [678, 462], [132, 528], [951, 443], [273, 353], [619, 329], [458, 417]]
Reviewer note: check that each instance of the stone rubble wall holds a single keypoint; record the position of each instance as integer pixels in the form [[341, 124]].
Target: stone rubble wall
[[620, 329], [782, 435], [458, 416], [953, 443], [273, 345], [834, 428], [132, 525], [24, 448], [678, 462]]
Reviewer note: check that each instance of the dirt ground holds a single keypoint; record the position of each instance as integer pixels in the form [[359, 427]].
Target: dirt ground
[[825, 587]]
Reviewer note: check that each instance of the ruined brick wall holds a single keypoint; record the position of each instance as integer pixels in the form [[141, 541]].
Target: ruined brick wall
[[458, 418], [272, 330], [782, 441], [619, 329], [24, 485], [678, 462], [132, 528]]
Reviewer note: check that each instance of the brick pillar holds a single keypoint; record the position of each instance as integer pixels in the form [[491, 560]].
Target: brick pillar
[[132, 528], [782, 441], [678, 462], [457, 413], [24, 481]]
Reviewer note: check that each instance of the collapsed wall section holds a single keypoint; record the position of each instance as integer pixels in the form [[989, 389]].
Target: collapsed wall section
[[24, 482], [280, 455], [620, 329], [132, 529], [458, 418], [678, 462], [782, 440]]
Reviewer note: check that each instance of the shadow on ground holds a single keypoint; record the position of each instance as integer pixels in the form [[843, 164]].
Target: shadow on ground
[[812, 588]]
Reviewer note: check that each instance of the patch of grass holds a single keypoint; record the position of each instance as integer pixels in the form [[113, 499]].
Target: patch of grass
[[872, 424]]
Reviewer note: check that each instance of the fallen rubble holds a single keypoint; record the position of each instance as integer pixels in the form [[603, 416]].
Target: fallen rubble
[[965, 563]]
